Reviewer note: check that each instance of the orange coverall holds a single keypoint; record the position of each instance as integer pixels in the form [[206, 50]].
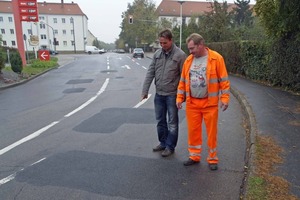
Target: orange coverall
[[206, 108]]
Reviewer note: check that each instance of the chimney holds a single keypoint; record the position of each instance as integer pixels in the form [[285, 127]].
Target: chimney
[[62, 3]]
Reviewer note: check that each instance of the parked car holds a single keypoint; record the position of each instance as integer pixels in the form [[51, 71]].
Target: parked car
[[93, 50], [138, 52], [51, 52]]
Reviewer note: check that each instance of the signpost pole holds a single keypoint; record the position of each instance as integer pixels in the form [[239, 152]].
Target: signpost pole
[[19, 31]]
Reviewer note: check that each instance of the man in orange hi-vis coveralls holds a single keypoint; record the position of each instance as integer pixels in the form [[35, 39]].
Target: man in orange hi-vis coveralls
[[204, 80]]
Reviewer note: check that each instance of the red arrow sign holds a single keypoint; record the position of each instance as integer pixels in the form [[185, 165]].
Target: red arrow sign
[[44, 55]]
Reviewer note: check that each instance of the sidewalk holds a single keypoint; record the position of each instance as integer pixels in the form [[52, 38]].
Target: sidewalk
[[274, 113]]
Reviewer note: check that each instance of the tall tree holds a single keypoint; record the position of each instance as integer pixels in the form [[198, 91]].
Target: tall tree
[[279, 17], [143, 29], [216, 25], [242, 13]]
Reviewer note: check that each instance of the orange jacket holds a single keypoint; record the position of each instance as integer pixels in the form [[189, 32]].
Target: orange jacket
[[217, 80]]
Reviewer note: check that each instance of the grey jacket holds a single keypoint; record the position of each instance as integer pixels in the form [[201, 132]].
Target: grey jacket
[[166, 71]]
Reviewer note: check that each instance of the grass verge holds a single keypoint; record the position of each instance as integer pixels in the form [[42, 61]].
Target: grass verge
[[264, 185]]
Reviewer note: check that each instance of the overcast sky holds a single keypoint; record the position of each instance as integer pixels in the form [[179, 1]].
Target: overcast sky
[[105, 15]]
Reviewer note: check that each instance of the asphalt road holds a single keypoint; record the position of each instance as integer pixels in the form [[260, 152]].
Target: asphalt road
[[81, 132]]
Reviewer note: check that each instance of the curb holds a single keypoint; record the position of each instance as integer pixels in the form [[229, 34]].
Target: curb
[[251, 132]]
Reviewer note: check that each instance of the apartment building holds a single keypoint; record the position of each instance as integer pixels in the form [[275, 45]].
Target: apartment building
[[63, 24]]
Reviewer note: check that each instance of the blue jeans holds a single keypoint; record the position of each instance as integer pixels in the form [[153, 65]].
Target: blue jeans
[[167, 127]]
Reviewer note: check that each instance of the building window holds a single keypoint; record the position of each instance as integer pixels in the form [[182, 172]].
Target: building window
[[29, 32], [63, 20], [56, 31], [72, 42], [42, 26], [72, 32], [10, 19], [13, 43], [4, 43], [1, 19], [65, 43], [2, 31], [71, 20], [64, 32], [41, 17], [12, 31], [43, 36], [55, 20]]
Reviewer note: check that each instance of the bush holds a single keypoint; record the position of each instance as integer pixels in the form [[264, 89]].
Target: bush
[[2, 59], [16, 62], [44, 64]]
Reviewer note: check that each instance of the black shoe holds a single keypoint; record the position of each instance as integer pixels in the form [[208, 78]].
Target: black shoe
[[158, 148], [213, 166], [190, 162], [167, 152]]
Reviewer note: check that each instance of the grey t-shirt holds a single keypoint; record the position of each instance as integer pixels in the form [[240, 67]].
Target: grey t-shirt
[[198, 84]]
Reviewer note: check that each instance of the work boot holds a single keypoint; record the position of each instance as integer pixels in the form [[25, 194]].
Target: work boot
[[190, 162], [158, 148], [213, 166], [167, 152]]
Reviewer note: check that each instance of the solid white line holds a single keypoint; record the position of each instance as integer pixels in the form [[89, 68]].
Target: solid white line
[[142, 102], [26, 139], [102, 89], [39, 132]]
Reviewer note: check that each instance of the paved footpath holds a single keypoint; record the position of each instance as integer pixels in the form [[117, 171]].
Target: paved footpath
[[275, 113]]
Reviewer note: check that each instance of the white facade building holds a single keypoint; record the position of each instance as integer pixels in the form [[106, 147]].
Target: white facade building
[[55, 21]]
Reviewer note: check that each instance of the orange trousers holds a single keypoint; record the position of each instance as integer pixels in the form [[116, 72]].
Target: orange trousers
[[196, 112]]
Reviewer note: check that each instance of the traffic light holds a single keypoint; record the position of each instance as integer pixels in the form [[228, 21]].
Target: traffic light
[[130, 19]]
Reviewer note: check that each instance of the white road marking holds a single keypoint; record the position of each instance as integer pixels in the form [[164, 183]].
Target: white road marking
[[102, 89], [39, 132], [12, 176], [26, 139], [127, 67], [142, 102]]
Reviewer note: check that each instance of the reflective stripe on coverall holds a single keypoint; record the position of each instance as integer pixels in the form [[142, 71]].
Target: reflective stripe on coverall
[[205, 109]]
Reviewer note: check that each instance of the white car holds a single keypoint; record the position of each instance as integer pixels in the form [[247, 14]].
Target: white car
[[93, 50]]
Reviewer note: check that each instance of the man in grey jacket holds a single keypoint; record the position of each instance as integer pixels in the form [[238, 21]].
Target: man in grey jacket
[[165, 69]]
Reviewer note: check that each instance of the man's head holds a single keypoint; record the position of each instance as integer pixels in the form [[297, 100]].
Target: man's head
[[195, 45], [166, 39]]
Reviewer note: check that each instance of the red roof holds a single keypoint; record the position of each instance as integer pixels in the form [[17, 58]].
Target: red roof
[[189, 8]]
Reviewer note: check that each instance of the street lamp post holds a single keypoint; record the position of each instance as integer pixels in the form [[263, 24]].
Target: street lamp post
[[72, 21], [181, 2], [54, 40]]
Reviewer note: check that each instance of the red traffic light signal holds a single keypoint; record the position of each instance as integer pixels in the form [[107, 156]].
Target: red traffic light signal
[[130, 19]]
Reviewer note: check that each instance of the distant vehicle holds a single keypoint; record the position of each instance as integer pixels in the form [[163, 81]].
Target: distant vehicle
[[52, 52], [93, 50], [119, 50], [138, 52]]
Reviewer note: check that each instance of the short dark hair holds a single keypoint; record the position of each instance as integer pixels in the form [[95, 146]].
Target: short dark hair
[[196, 38], [166, 34]]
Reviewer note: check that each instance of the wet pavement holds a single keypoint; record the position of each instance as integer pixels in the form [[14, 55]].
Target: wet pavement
[[270, 112]]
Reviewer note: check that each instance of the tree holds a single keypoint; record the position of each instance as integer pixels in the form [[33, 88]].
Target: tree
[[143, 30], [216, 25], [279, 17], [242, 13]]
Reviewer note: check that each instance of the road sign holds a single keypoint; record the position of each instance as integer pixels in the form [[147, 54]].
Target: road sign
[[28, 10], [44, 55]]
